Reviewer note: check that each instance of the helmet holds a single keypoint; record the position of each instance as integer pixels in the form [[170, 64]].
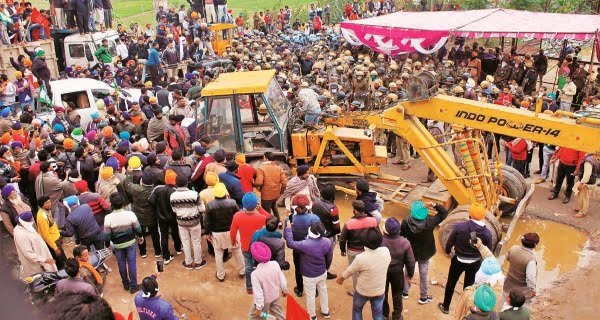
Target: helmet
[[373, 73], [458, 89], [392, 97], [392, 85], [405, 75], [360, 74]]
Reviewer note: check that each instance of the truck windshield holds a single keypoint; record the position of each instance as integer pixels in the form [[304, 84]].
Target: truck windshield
[[278, 102]]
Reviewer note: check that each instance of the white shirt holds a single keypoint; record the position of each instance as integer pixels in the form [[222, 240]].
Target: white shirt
[[122, 50], [10, 93]]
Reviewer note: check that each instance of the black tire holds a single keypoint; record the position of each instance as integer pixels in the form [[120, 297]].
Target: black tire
[[461, 214], [512, 187], [506, 168]]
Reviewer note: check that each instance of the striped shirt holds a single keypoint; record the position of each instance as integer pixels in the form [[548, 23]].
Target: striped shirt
[[188, 206]]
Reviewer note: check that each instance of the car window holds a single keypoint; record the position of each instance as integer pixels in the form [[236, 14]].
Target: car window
[[76, 50], [79, 99], [100, 93], [88, 53]]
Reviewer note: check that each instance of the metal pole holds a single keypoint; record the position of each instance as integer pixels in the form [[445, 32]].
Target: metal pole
[[588, 86]]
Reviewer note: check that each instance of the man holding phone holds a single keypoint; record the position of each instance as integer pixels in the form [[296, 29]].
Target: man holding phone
[[466, 257]]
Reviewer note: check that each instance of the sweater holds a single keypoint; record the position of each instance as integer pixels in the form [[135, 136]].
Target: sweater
[[246, 223], [301, 223], [420, 233], [153, 308], [371, 267], [121, 227], [569, 157], [187, 206], [515, 314], [316, 255], [268, 281], [48, 230], [518, 149], [460, 239], [271, 180]]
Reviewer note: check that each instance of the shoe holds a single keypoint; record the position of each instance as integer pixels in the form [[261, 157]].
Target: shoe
[[158, 255], [298, 292], [350, 292], [220, 280], [313, 318], [249, 291], [200, 265], [580, 215], [552, 196], [537, 172], [126, 287], [425, 300], [242, 276], [134, 289], [540, 180], [144, 256], [566, 200], [178, 252], [167, 261], [405, 167], [404, 295], [443, 309], [331, 275], [326, 315], [187, 266]]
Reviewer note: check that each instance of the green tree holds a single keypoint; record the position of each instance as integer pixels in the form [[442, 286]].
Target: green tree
[[475, 4]]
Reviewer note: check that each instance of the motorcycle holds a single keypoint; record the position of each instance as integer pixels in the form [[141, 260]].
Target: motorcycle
[[40, 287]]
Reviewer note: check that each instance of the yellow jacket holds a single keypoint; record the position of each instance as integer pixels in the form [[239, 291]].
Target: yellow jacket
[[50, 234]]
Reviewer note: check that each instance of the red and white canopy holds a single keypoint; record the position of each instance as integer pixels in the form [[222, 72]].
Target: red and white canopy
[[426, 31]]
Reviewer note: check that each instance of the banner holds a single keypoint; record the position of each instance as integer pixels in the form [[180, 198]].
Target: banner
[[294, 310], [37, 17]]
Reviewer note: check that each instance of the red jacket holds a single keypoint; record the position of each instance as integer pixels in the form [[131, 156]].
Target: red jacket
[[569, 157], [246, 224], [518, 149], [200, 167], [246, 173]]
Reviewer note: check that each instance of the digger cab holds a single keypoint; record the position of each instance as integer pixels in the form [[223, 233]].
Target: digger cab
[[246, 112], [223, 34]]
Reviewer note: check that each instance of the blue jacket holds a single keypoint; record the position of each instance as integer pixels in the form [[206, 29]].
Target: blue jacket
[[301, 224], [153, 308], [234, 186], [81, 224], [153, 58], [315, 254], [460, 239]]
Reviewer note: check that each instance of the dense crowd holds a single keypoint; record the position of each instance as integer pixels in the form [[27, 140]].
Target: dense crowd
[[134, 170]]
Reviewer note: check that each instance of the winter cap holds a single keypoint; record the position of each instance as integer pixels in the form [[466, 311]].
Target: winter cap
[[373, 239], [199, 150], [490, 266], [477, 211], [71, 201], [220, 190], [302, 170], [260, 252], [249, 201], [3, 150], [212, 178], [484, 298], [418, 210], [7, 190], [170, 177], [134, 162], [147, 179], [392, 226]]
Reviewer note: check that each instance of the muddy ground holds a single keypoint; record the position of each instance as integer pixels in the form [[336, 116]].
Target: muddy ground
[[569, 269]]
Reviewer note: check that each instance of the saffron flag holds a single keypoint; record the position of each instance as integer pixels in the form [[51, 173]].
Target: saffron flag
[[37, 17], [294, 310]]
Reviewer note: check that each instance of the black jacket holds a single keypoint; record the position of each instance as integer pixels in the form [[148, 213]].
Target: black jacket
[[420, 233], [160, 198], [219, 214], [354, 231]]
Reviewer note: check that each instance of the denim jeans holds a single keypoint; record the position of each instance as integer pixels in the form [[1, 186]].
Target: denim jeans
[[249, 263], [423, 279], [548, 153], [126, 262], [359, 301], [222, 13]]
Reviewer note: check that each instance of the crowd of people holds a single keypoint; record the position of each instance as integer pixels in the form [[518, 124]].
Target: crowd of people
[[134, 171]]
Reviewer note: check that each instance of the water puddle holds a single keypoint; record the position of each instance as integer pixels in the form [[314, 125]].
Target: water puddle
[[562, 248]]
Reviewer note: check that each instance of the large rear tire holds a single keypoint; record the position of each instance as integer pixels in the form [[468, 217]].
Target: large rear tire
[[461, 214], [513, 185]]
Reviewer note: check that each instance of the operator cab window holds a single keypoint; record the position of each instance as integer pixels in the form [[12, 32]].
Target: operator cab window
[[76, 50], [220, 123], [258, 127]]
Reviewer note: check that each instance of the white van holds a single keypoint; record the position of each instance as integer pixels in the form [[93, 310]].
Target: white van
[[79, 48], [83, 93]]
